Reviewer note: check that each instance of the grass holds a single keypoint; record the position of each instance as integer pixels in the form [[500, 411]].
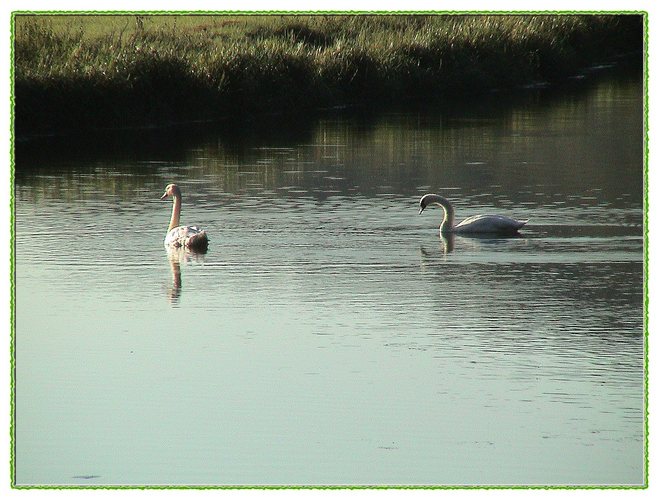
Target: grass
[[75, 72]]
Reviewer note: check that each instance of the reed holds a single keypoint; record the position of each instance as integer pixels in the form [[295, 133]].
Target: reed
[[93, 71]]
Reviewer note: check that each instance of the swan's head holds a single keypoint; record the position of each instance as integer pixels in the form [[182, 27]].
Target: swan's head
[[423, 203], [435, 199], [171, 190]]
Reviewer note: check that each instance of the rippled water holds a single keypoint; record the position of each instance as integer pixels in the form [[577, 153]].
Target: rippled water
[[330, 336]]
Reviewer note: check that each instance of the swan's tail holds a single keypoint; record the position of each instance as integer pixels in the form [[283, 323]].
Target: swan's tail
[[198, 242]]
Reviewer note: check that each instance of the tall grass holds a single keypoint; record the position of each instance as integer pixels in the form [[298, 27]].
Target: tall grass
[[107, 71]]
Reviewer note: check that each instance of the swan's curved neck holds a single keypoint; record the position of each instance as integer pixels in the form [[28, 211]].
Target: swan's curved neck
[[176, 213], [449, 214]]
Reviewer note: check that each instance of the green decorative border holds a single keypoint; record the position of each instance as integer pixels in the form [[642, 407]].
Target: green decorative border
[[12, 270], [12, 276]]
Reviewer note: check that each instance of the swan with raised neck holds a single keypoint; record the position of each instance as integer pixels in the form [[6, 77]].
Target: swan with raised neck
[[476, 224], [182, 236]]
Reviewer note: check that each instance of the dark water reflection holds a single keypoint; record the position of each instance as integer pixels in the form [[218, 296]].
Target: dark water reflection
[[489, 139], [329, 335]]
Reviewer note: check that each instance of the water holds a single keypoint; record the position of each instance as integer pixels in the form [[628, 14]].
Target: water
[[329, 336]]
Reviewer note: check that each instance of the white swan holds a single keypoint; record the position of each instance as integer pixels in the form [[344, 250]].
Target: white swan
[[483, 224], [182, 236]]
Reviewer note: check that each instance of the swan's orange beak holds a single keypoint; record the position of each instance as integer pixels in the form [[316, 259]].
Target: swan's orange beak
[[421, 210], [163, 196]]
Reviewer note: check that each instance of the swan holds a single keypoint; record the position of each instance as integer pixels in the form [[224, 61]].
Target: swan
[[190, 237], [476, 224]]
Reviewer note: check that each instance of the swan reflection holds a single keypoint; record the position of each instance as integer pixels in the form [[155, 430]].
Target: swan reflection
[[176, 257], [445, 247], [448, 242], [466, 242]]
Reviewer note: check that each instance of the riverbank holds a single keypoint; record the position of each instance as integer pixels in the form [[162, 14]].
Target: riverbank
[[75, 73]]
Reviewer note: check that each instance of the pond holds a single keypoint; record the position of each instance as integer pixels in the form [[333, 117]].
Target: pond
[[330, 336]]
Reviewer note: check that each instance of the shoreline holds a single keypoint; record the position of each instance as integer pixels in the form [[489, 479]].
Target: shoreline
[[69, 79]]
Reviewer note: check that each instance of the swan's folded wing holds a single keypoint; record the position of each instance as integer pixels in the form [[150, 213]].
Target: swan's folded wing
[[179, 235], [489, 224]]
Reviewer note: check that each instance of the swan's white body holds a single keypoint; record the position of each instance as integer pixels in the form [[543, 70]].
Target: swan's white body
[[182, 236], [477, 224]]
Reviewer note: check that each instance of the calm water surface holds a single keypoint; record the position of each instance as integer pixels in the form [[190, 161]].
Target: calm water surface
[[329, 336]]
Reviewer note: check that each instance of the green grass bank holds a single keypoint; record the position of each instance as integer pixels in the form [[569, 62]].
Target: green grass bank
[[80, 72]]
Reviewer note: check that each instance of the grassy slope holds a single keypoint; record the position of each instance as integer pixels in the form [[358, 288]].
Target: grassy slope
[[107, 71]]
